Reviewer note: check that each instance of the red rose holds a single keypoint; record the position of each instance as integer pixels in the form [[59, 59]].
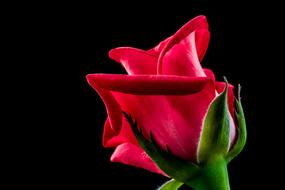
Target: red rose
[[166, 91]]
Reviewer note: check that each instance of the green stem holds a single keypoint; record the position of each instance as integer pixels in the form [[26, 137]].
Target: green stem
[[212, 176]]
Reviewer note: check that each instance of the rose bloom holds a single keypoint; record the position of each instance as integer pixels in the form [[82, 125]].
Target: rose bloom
[[166, 91]]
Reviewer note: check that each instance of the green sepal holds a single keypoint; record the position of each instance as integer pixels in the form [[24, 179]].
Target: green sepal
[[173, 166], [241, 130], [171, 185], [215, 136]]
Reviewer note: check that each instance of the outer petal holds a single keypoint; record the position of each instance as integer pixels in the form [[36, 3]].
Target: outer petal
[[112, 139], [135, 61], [171, 122], [180, 37], [135, 156], [192, 109], [202, 38], [209, 73], [112, 107], [148, 84], [175, 121]]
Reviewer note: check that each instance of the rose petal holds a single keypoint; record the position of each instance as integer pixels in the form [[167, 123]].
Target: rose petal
[[163, 115], [202, 38], [197, 23], [135, 156], [182, 59], [135, 61], [108, 133], [112, 107], [148, 84], [209, 73], [175, 121], [125, 135]]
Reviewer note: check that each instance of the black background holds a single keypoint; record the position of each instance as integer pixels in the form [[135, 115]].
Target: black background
[[243, 47]]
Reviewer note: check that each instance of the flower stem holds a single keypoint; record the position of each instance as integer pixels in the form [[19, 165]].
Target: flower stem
[[213, 176]]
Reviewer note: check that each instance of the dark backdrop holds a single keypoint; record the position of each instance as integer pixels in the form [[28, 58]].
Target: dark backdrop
[[243, 47]]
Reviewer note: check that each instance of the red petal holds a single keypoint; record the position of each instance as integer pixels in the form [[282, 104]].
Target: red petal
[[112, 107], [202, 38], [182, 59], [135, 156], [135, 61], [108, 133], [209, 73], [198, 24], [125, 135], [175, 121], [148, 84]]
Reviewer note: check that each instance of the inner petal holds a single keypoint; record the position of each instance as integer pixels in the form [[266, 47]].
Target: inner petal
[[182, 59]]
